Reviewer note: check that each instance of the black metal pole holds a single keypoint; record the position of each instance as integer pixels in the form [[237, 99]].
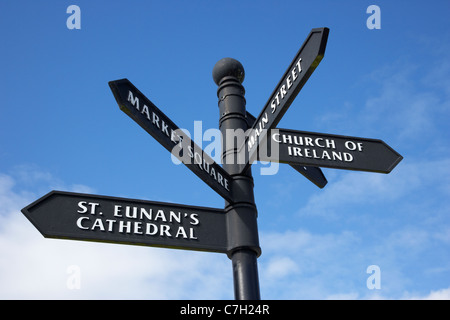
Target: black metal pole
[[243, 241]]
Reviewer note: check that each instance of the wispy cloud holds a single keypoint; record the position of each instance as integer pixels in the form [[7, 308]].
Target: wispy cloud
[[364, 189], [404, 101]]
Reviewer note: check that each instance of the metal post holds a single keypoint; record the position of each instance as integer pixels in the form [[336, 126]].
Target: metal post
[[243, 241]]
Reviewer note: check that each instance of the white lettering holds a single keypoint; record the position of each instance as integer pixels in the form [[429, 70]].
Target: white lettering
[[360, 146], [308, 141], [128, 213], [276, 137], [110, 224], [306, 152], [155, 119], [226, 186], [283, 91], [213, 173], [287, 139], [164, 128], [134, 100], [117, 210], [173, 216], [160, 215], [138, 228], [294, 74], [147, 214], [273, 106], [278, 98], [145, 110], [318, 144], [151, 229], [191, 234], [326, 155], [124, 226], [125, 215], [336, 155], [315, 154], [181, 232], [350, 145], [319, 154], [348, 157], [289, 82], [98, 223], [164, 231], [81, 204], [194, 218], [79, 225], [83, 207], [330, 144], [299, 67]]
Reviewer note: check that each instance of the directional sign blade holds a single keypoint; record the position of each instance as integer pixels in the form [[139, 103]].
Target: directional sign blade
[[313, 174], [296, 75], [76, 216], [331, 151], [139, 108]]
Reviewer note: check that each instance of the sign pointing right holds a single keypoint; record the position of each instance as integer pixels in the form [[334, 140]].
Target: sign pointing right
[[330, 150]]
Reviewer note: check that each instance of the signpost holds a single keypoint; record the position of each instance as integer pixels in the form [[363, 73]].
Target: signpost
[[76, 216], [232, 230], [331, 151]]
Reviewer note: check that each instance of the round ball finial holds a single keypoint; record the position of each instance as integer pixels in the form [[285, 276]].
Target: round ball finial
[[228, 67]]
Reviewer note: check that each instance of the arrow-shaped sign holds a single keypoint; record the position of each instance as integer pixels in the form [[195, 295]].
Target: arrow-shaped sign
[[331, 151], [76, 216], [139, 108], [296, 75], [313, 174]]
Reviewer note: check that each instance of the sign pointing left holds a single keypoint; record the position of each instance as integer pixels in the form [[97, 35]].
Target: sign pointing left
[[76, 216], [139, 108]]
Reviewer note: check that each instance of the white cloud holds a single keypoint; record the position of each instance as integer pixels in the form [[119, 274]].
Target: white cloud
[[356, 188], [440, 294], [280, 267], [298, 264], [443, 294]]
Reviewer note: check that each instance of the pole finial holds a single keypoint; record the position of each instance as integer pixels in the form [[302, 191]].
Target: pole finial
[[228, 67]]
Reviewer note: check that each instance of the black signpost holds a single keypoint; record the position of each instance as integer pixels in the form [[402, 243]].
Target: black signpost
[[330, 151], [232, 230], [76, 216]]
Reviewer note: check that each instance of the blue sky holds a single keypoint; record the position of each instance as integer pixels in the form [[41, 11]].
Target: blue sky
[[61, 129]]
